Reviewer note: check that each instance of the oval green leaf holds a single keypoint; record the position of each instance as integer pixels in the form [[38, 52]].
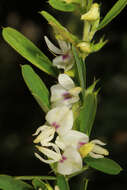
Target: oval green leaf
[[115, 10], [105, 165], [36, 86], [28, 50], [9, 183], [62, 6]]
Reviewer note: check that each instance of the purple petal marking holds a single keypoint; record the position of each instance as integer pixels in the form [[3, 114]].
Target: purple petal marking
[[63, 159], [67, 96], [81, 144], [66, 56], [54, 124]]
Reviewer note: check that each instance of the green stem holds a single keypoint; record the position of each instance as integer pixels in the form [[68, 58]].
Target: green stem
[[37, 177], [86, 184], [86, 31], [77, 173], [89, 4]]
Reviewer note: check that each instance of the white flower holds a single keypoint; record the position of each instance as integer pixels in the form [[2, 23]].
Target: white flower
[[78, 142], [73, 138], [71, 159], [45, 135], [61, 118], [65, 59], [71, 162], [65, 92]]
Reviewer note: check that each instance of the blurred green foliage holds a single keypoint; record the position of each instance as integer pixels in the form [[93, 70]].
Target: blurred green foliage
[[19, 113]]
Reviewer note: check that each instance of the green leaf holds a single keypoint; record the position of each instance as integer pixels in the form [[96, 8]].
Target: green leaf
[[37, 183], [9, 183], [87, 113], [115, 10], [59, 29], [81, 69], [62, 182], [28, 50], [105, 165], [62, 6], [36, 86]]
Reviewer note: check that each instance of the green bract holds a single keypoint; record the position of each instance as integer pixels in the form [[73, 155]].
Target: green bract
[[88, 110]]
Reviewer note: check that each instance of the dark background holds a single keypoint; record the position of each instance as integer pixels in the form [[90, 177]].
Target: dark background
[[19, 113]]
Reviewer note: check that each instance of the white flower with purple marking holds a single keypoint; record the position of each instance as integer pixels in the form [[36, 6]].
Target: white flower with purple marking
[[71, 159], [70, 162], [65, 92], [75, 142], [64, 59], [80, 141], [60, 120], [73, 138]]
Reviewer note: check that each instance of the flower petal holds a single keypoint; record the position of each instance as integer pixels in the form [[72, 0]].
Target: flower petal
[[53, 155], [96, 141], [61, 118], [72, 138], [52, 47], [66, 81], [56, 92], [64, 46], [45, 136], [99, 150], [44, 160], [59, 62], [93, 155], [71, 163]]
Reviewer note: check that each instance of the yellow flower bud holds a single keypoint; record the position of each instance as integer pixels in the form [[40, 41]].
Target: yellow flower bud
[[93, 14]]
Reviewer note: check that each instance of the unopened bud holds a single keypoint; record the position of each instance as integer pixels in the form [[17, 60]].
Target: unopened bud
[[93, 14], [84, 47]]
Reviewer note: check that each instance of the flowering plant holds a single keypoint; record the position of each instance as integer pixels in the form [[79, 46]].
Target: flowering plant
[[64, 140]]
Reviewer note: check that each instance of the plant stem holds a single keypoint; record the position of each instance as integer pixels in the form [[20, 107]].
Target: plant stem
[[86, 31], [86, 184], [37, 177], [77, 173]]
